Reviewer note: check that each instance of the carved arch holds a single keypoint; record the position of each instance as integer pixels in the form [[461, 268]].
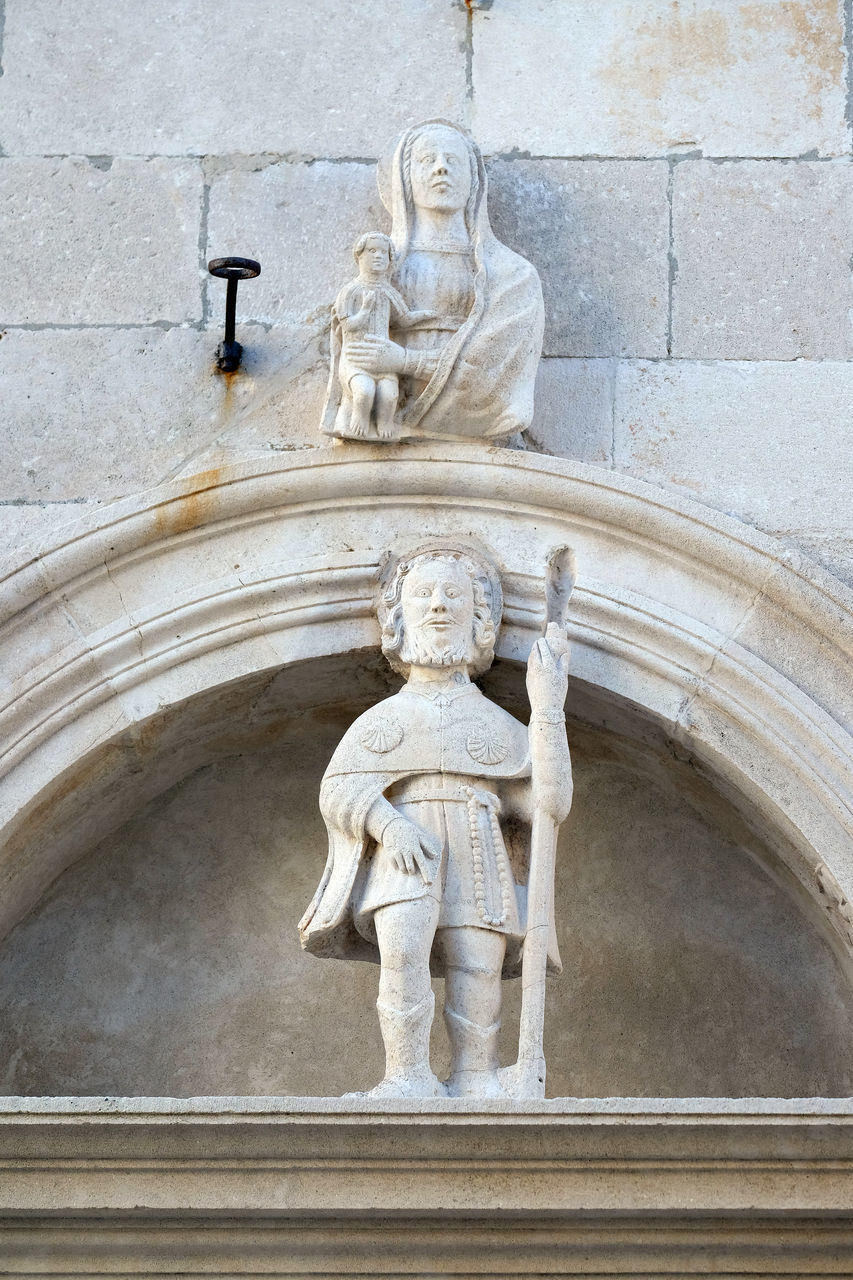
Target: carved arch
[[740, 648]]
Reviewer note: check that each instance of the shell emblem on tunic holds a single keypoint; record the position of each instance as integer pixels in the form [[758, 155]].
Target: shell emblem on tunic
[[485, 745], [383, 735]]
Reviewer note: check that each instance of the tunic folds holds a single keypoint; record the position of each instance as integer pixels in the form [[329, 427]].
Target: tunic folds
[[458, 766], [472, 881]]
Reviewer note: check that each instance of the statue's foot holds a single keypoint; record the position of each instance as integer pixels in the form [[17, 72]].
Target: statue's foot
[[475, 1084], [423, 1085]]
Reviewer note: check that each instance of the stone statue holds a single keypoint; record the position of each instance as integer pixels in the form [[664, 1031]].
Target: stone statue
[[427, 800], [469, 370], [366, 306]]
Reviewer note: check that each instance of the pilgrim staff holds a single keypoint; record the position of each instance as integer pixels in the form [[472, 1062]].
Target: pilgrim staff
[[547, 677]]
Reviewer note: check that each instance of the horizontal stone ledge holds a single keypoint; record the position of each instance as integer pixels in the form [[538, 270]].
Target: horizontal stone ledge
[[468, 1247], [296, 1156], [78, 1106]]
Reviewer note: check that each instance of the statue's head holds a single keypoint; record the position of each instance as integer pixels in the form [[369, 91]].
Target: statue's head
[[435, 166], [374, 253], [440, 167], [441, 608]]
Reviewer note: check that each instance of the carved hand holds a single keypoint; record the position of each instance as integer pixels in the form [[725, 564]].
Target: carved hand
[[379, 357], [548, 671], [411, 849], [361, 319]]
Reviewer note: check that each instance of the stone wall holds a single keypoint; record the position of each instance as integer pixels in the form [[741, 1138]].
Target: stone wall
[[679, 173]]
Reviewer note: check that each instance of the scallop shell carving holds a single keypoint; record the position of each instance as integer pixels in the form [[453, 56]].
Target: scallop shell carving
[[486, 746], [382, 736]]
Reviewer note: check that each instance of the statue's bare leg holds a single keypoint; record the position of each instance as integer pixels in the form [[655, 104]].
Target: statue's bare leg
[[363, 390], [473, 959], [387, 392], [405, 932]]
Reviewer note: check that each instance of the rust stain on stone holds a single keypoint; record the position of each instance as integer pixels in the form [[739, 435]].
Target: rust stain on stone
[[192, 510], [812, 28], [680, 42], [662, 55], [813, 34]]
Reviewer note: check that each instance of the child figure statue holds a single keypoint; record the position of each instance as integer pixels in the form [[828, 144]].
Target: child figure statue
[[356, 400]]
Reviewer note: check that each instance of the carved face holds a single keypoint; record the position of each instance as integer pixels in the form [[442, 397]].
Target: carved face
[[441, 170], [438, 614], [375, 258]]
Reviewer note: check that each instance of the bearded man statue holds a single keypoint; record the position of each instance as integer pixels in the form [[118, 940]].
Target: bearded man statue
[[427, 801]]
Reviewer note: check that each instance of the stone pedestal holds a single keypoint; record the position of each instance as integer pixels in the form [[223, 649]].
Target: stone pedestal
[[319, 1187]]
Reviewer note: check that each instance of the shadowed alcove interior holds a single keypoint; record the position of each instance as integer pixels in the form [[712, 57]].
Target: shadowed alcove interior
[[165, 961]]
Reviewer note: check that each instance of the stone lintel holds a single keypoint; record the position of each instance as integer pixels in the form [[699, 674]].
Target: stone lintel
[[297, 1157]]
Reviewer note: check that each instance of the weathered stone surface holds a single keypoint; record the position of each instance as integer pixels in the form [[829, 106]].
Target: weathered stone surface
[[763, 252], [316, 78], [88, 244], [106, 412], [173, 966], [835, 554], [624, 77], [485, 1188], [598, 235], [574, 409], [697, 428], [299, 221], [22, 523]]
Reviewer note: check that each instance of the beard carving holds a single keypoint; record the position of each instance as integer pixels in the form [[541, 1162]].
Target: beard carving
[[425, 650]]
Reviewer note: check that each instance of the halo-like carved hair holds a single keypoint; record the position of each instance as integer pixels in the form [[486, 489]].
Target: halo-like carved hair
[[488, 602]]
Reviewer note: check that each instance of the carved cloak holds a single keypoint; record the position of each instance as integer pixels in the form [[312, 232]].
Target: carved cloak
[[403, 736]]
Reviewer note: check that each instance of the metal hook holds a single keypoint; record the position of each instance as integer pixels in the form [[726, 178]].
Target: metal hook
[[233, 270]]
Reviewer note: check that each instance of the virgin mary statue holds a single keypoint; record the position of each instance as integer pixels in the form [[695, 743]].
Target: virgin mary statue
[[468, 368]]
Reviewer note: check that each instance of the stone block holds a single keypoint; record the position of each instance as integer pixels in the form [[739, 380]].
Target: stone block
[[276, 399], [763, 252], [573, 415], [103, 413], [322, 78], [300, 222], [768, 442], [648, 77], [598, 233], [87, 244]]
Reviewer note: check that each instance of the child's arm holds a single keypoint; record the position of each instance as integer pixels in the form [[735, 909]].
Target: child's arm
[[410, 318], [359, 321], [403, 317]]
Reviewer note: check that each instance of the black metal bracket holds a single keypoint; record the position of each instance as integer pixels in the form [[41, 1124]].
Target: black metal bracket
[[229, 352]]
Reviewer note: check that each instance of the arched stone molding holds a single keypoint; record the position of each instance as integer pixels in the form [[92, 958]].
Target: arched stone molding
[[738, 647]]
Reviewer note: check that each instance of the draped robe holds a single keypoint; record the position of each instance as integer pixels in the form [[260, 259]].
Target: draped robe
[[408, 736]]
